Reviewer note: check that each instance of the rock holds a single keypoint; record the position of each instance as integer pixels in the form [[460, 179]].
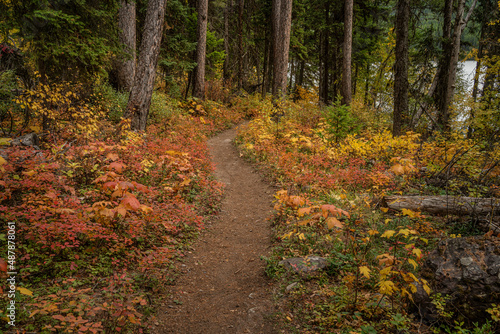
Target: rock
[[4, 155], [30, 139], [308, 265], [467, 272]]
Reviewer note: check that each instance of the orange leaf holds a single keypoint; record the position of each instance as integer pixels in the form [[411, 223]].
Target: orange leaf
[[30, 173], [333, 222], [303, 222], [385, 259], [398, 169], [296, 201], [3, 265], [112, 156], [185, 182], [146, 209], [51, 195], [328, 208], [131, 203], [304, 211], [117, 166], [121, 210]]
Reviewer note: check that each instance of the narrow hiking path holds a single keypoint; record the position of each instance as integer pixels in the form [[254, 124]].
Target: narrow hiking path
[[223, 288]]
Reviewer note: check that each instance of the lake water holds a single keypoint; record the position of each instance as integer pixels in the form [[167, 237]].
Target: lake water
[[467, 72]]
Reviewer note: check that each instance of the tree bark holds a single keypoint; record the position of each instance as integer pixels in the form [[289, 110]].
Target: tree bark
[[201, 48], [325, 74], [125, 67], [140, 96], [401, 67], [227, 75], [241, 5], [445, 204], [267, 64], [282, 23], [347, 51], [449, 61]]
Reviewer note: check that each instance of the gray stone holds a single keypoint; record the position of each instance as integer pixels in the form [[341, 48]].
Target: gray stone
[[30, 139], [307, 265], [467, 271]]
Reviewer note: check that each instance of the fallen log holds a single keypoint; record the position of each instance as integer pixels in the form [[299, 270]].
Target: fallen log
[[445, 204]]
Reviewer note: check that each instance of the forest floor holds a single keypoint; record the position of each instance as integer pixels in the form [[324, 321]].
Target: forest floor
[[223, 287]]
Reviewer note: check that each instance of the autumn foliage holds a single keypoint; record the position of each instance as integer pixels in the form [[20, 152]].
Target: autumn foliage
[[101, 213]]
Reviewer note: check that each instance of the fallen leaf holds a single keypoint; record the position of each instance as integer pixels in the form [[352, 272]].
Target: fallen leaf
[[333, 222], [24, 291]]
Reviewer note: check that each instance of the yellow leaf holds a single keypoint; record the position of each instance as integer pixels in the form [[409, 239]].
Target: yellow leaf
[[384, 210], [333, 222], [2, 161], [387, 221], [404, 232], [388, 234], [365, 271], [387, 287], [301, 236], [5, 141], [426, 288], [202, 120], [35, 128], [413, 263], [372, 232], [410, 213], [417, 252], [24, 291]]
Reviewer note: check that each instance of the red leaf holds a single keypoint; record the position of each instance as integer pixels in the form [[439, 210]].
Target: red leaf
[[328, 208], [117, 166], [3, 265], [131, 203], [110, 185]]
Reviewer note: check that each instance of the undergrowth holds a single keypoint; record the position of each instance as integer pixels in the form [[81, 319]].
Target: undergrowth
[[334, 180], [101, 213]]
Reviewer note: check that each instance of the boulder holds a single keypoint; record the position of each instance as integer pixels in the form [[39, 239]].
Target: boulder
[[30, 139], [307, 265], [466, 272]]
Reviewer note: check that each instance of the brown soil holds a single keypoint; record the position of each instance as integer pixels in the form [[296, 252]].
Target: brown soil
[[223, 288]]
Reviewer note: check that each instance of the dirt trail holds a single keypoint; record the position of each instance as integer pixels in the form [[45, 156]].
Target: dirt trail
[[223, 288]]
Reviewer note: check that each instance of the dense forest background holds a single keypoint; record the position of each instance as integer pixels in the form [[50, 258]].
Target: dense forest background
[[84, 42]]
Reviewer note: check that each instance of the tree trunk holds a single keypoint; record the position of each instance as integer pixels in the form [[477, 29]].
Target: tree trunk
[[125, 67], [267, 64], [282, 23], [445, 204], [241, 5], [401, 67], [201, 48], [449, 62], [347, 50], [140, 96], [325, 75], [226, 43]]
